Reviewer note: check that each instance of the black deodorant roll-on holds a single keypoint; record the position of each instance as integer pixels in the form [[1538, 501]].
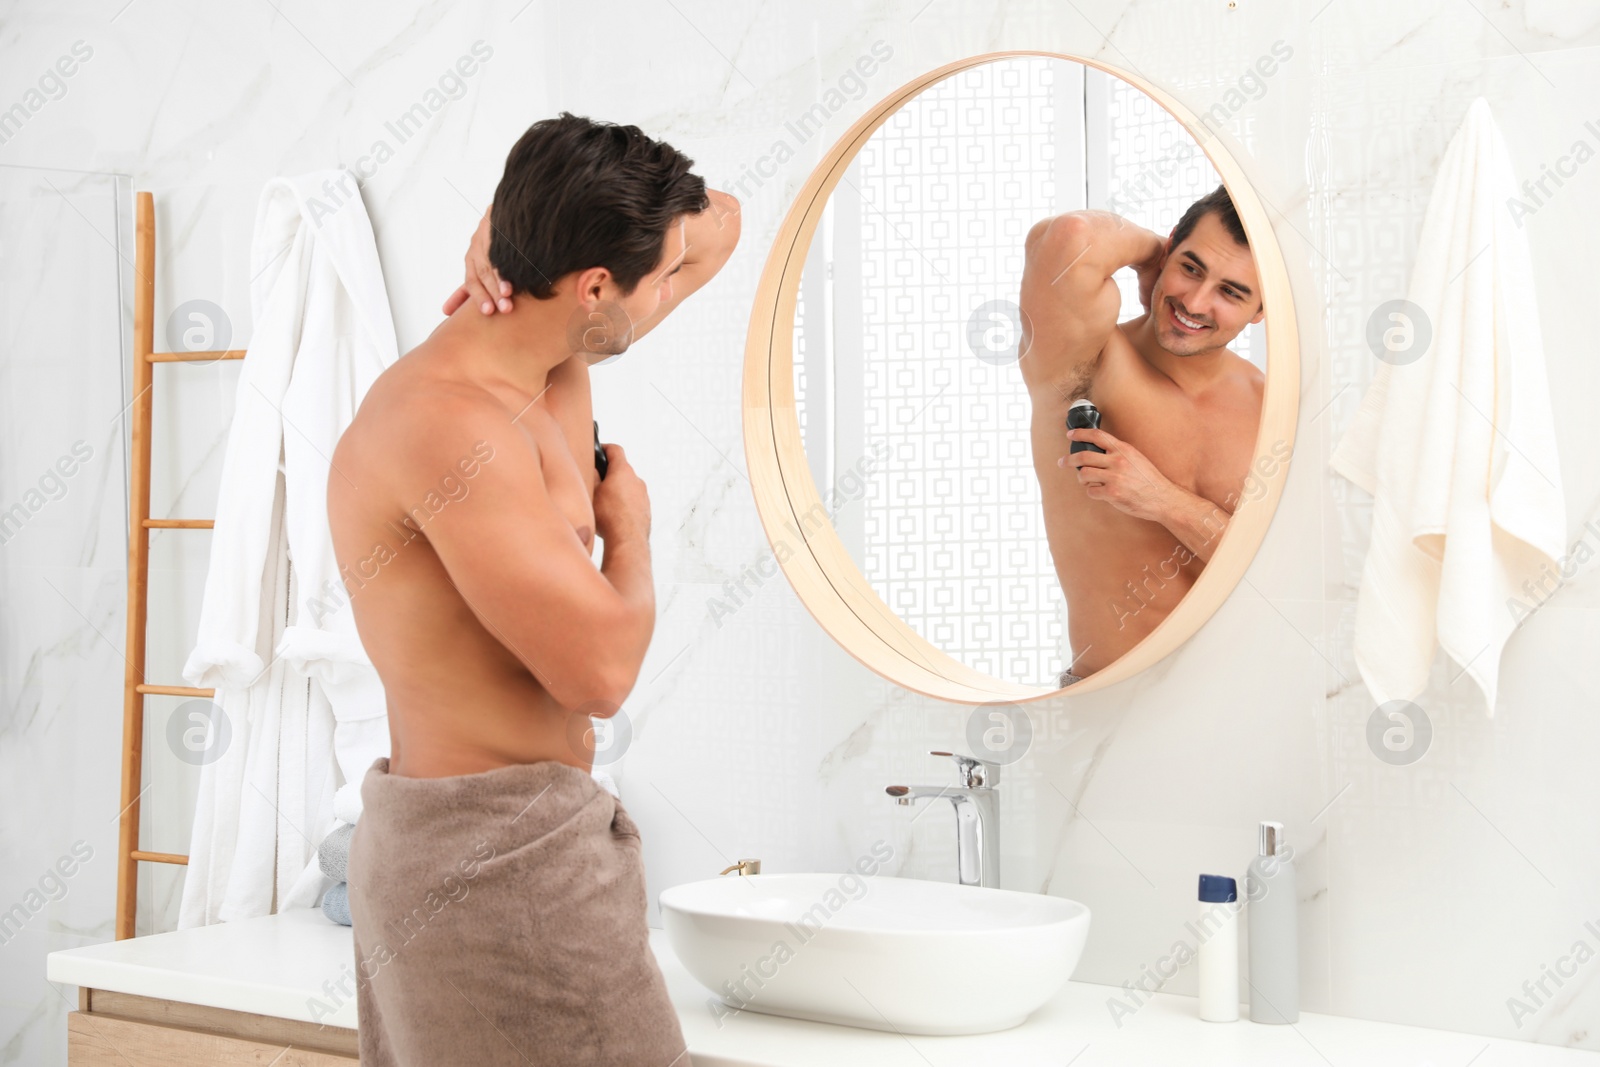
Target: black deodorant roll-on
[[600, 460], [1083, 415]]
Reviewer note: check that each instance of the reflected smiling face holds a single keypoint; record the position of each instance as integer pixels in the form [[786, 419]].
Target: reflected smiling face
[[1209, 280]]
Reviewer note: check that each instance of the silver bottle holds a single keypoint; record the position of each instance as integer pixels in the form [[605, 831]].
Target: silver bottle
[[1274, 930]]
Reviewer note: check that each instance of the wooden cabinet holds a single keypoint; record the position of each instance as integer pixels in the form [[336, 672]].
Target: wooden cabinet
[[122, 1030]]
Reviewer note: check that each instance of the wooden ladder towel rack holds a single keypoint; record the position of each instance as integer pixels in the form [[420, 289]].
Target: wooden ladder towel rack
[[135, 689]]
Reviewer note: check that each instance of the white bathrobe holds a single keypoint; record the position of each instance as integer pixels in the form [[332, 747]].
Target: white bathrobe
[[277, 638], [1457, 446]]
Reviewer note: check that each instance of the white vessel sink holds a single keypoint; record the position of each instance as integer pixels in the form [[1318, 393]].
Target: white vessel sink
[[885, 953]]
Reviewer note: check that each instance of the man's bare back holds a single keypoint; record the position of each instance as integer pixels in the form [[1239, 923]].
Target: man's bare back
[[428, 434], [1130, 532], [494, 633]]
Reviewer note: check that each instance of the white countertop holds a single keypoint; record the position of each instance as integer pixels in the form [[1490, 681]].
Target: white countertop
[[290, 966], [275, 965]]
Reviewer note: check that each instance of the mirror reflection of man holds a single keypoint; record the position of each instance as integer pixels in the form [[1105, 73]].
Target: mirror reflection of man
[[1130, 529]]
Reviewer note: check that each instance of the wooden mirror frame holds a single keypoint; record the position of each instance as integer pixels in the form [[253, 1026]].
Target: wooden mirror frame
[[797, 522]]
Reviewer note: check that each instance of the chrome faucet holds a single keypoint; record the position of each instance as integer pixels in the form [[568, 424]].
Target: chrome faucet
[[977, 805]]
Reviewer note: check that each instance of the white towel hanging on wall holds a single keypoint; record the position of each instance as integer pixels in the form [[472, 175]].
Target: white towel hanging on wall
[[305, 707], [1457, 445]]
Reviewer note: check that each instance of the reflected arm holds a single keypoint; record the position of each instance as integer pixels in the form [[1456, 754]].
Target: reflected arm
[[1125, 478], [1196, 522], [1069, 302]]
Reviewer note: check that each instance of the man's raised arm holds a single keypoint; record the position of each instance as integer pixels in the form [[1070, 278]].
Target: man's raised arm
[[1069, 302], [709, 239]]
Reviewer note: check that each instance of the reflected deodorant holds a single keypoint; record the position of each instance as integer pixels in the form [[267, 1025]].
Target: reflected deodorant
[[1274, 930], [1083, 415], [1218, 954]]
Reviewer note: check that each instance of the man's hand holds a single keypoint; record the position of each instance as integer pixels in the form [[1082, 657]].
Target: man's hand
[[621, 503], [1122, 476], [1125, 478], [483, 283], [1148, 271]]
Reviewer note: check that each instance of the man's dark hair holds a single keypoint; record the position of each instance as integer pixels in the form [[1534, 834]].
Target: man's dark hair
[[1217, 201], [578, 194]]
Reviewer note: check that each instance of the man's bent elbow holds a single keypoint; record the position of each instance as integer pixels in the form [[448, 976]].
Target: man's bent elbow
[[727, 209], [1057, 239], [596, 689]]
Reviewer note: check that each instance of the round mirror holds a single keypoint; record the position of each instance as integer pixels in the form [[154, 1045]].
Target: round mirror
[[1021, 380]]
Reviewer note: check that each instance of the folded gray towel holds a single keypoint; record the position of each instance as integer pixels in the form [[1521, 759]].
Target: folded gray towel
[[333, 855], [336, 904]]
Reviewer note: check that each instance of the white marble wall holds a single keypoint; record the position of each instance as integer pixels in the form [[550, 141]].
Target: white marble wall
[[1431, 893]]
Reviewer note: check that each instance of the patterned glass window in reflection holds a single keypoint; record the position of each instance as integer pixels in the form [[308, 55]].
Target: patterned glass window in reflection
[[1154, 171], [952, 531]]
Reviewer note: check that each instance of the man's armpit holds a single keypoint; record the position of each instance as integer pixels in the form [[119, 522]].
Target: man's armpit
[[1077, 386]]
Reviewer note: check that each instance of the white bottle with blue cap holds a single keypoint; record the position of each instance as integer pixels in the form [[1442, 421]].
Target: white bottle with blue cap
[[1218, 954]]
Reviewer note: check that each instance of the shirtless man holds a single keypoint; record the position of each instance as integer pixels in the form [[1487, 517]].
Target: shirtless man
[[1131, 529], [492, 629]]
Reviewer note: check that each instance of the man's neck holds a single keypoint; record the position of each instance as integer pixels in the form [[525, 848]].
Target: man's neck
[[515, 349], [1192, 374]]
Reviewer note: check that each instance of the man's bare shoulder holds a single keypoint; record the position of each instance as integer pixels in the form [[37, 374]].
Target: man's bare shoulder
[[1247, 374], [417, 416]]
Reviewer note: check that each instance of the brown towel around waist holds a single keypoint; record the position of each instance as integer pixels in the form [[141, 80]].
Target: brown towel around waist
[[499, 918]]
